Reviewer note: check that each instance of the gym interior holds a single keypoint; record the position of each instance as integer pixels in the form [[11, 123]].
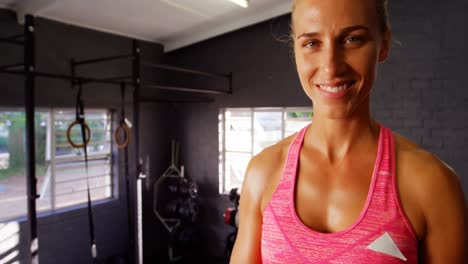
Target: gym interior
[[173, 119]]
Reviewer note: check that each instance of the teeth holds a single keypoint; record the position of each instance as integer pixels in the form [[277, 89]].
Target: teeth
[[335, 89]]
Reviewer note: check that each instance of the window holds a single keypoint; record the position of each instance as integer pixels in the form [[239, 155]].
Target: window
[[244, 132], [60, 168]]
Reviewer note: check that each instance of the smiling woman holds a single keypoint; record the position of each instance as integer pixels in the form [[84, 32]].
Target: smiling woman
[[337, 54], [346, 189]]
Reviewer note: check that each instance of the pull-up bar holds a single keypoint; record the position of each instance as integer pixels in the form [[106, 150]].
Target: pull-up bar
[[15, 37], [114, 81], [9, 66], [184, 89], [149, 99], [12, 41], [180, 69], [137, 63], [111, 58]]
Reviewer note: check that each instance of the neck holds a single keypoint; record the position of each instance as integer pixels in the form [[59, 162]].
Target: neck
[[335, 138]]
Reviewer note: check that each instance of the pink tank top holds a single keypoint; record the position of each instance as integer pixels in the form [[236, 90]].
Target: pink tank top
[[381, 234]]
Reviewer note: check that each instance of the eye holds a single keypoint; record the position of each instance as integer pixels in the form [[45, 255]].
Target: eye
[[312, 44], [354, 39]]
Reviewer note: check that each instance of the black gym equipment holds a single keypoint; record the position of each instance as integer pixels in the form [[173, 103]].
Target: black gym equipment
[[126, 135], [27, 41], [135, 253], [231, 217], [29, 66], [123, 130], [85, 137], [175, 205], [28, 70], [79, 120]]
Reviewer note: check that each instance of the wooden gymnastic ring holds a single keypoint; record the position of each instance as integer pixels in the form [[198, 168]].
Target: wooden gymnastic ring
[[126, 130], [69, 137]]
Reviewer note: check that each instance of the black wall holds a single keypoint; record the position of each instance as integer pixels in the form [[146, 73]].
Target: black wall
[[421, 91]]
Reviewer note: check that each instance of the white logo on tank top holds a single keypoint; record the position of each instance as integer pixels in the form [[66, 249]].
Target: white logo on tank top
[[385, 244]]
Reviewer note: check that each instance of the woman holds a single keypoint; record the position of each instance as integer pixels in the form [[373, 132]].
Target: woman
[[346, 189]]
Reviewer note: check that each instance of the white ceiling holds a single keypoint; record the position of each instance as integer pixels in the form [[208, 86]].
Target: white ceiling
[[173, 23]]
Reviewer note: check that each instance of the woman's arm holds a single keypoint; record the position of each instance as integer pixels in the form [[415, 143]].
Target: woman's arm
[[444, 207], [247, 247]]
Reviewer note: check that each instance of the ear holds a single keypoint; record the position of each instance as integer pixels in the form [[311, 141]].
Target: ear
[[385, 46]]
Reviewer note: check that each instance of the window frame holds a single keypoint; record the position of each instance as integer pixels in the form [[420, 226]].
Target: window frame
[[70, 159], [52, 161], [224, 185]]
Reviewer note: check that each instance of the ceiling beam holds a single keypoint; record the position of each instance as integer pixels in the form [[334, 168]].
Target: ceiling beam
[[32, 7], [204, 33]]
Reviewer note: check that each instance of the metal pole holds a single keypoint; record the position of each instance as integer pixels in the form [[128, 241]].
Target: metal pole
[[185, 89], [136, 95], [103, 59], [67, 77], [15, 37], [112, 79], [12, 41], [150, 99], [15, 65], [115, 81], [29, 63], [180, 69], [230, 82], [53, 164], [137, 238]]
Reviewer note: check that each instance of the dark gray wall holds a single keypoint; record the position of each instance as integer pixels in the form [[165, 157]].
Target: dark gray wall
[[421, 91], [63, 236]]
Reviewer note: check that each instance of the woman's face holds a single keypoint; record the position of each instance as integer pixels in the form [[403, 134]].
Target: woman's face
[[337, 45]]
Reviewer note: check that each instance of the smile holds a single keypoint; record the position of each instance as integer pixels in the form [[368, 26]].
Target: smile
[[334, 89]]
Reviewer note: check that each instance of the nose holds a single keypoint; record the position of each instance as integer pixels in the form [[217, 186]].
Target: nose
[[333, 61]]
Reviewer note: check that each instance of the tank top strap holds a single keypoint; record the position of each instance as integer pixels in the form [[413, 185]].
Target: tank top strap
[[381, 187], [386, 152], [290, 166], [385, 194], [387, 162]]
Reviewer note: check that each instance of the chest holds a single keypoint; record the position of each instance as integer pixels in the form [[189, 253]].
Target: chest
[[331, 198]]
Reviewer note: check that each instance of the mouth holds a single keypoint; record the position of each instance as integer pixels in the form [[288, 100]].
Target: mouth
[[335, 89]]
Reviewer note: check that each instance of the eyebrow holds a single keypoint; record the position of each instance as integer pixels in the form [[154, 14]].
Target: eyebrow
[[343, 31]]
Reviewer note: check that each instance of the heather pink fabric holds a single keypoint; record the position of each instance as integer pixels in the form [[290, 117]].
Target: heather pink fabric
[[285, 239]]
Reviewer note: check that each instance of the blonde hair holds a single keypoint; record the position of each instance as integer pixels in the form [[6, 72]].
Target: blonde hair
[[382, 12]]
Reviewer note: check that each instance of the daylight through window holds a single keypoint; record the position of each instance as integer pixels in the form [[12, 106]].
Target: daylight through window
[[244, 132], [60, 168]]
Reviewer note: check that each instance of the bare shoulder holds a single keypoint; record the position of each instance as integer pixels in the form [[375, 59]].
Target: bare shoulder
[[264, 170], [261, 172], [425, 168], [430, 191]]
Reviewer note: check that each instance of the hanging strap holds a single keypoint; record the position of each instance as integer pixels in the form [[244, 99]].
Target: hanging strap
[[122, 103], [123, 127], [126, 131], [122, 124], [80, 119]]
